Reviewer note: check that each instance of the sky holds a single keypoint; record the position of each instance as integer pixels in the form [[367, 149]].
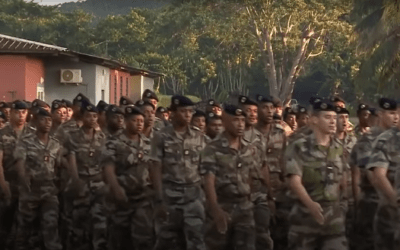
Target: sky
[[52, 2]]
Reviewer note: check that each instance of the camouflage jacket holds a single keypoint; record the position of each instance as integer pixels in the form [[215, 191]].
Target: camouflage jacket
[[40, 160], [385, 154], [131, 162], [158, 123], [232, 168], [321, 168], [359, 157], [8, 142], [179, 155], [300, 133], [87, 151], [357, 131], [64, 129]]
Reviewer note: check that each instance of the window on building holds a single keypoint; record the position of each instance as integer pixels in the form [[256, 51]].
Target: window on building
[[120, 86], [115, 89], [127, 86], [102, 94]]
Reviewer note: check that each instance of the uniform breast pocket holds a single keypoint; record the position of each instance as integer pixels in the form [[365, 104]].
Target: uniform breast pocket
[[172, 152]]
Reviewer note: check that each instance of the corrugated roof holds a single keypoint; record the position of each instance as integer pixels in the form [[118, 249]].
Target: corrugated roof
[[14, 45]]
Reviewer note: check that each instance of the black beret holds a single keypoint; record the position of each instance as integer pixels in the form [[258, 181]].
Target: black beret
[[337, 99], [301, 110], [39, 111], [314, 99], [199, 113], [362, 106], [387, 104], [149, 95], [162, 110], [323, 106], [340, 110], [289, 110], [264, 99], [57, 105], [373, 111], [101, 106], [19, 105], [180, 101], [113, 109], [213, 103], [87, 106], [39, 103], [79, 98], [124, 100], [244, 100], [233, 110], [129, 111], [276, 101], [142, 103], [67, 103], [4, 105], [3, 116]]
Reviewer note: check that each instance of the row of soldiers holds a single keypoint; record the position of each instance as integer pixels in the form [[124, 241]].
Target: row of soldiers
[[239, 176]]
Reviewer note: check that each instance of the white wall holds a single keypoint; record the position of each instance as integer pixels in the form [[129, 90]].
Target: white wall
[[139, 84]]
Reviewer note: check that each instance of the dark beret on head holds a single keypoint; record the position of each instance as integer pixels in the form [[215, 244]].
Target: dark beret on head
[[148, 94], [233, 110]]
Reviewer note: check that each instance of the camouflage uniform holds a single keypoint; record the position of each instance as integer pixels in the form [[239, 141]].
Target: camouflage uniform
[[179, 157], [368, 202], [299, 133], [385, 154], [262, 212], [232, 170], [321, 169], [348, 143], [8, 217], [275, 145], [40, 163], [89, 222], [131, 223], [159, 124]]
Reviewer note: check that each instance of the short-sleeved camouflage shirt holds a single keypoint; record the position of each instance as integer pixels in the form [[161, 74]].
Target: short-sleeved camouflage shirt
[[131, 161], [40, 159], [62, 133], [386, 154], [179, 154], [232, 168], [321, 168], [8, 142], [87, 151]]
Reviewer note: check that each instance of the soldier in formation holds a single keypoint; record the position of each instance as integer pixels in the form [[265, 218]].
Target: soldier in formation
[[235, 176]]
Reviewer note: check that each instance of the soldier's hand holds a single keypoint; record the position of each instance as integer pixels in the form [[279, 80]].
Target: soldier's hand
[[316, 211], [221, 219], [120, 194], [161, 212]]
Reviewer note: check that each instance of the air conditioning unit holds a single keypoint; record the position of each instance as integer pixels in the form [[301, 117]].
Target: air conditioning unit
[[71, 76]]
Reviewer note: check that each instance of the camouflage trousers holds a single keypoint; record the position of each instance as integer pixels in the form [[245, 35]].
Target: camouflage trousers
[[131, 225], [8, 222], [363, 228], [350, 226], [39, 207], [306, 234], [385, 224], [184, 228], [89, 220], [241, 228], [280, 225], [262, 216]]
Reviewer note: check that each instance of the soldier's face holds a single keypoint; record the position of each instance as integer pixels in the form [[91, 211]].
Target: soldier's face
[[44, 124], [116, 121], [154, 102], [363, 117], [340, 104], [18, 116], [89, 119], [134, 124], [303, 120], [214, 127], [200, 122], [183, 115], [266, 112], [102, 118], [252, 114], [7, 113], [149, 115], [60, 115], [70, 113], [234, 125], [165, 116], [325, 121], [343, 122], [291, 121], [279, 111], [2, 123], [389, 118]]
